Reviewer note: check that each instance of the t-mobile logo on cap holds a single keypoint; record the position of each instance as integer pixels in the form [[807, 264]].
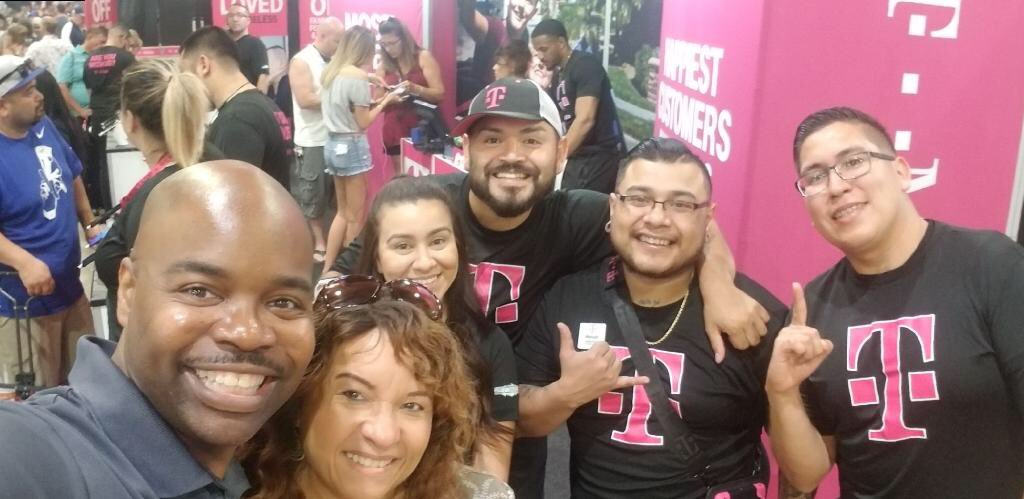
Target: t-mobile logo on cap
[[494, 96], [922, 385]]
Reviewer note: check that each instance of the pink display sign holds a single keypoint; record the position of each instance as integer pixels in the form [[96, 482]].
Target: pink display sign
[[945, 76], [707, 84], [736, 78], [100, 12], [266, 17], [368, 13]]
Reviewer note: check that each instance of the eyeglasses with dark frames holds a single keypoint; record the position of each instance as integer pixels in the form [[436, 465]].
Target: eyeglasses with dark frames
[[356, 290], [815, 180], [674, 206]]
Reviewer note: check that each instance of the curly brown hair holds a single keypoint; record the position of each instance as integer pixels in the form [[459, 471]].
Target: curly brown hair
[[273, 458]]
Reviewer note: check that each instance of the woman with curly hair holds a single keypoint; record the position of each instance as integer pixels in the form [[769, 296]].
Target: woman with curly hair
[[385, 410]]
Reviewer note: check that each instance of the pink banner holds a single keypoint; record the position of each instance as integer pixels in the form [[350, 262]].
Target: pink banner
[[368, 13], [100, 12], [943, 77], [266, 17], [706, 91], [736, 78]]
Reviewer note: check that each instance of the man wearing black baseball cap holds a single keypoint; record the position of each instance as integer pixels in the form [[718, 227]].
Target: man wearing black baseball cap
[[41, 197], [523, 236]]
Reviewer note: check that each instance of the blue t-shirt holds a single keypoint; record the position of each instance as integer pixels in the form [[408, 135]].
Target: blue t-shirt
[[37, 213]]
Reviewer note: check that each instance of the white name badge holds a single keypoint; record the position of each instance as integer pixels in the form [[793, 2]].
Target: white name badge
[[590, 333]]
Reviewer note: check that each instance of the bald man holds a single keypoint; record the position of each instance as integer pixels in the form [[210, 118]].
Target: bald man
[[211, 348], [307, 183]]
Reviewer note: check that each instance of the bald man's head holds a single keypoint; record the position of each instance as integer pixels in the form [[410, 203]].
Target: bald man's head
[[216, 301], [328, 35], [227, 191]]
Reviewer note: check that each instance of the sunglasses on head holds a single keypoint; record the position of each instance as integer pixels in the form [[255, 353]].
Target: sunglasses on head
[[22, 71], [355, 290]]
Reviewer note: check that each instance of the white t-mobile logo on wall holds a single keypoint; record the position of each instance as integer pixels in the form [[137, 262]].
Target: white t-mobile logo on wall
[[917, 26], [922, 384]]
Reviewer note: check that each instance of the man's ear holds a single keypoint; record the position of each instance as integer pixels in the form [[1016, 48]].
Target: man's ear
[[203, 66], [125, 290], [903, 171], [563, 153]]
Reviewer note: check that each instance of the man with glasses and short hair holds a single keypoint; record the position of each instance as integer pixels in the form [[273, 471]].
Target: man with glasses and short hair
[[576, 364], [42, 199], [924, 394], [252, 53]]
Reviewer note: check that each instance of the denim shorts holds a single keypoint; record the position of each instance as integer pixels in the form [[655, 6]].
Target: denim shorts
[[347, 154]]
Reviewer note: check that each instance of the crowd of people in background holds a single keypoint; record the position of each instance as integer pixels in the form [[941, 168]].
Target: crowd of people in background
[[427, 347]]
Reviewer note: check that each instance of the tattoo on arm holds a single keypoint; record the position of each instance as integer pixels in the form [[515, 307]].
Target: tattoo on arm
[[527, 391]]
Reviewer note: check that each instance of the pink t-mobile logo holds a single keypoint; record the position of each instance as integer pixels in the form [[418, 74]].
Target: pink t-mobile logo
[[494, 96], [922, 385], [483, 283], [636, 431]]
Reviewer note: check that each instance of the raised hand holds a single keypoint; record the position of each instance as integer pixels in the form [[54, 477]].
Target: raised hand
[[588, 374], [799, 349]]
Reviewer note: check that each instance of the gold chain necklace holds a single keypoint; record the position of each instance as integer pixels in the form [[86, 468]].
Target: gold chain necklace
[[674, 322]]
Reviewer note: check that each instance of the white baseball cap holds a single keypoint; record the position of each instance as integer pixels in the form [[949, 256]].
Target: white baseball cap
[[15, 73]]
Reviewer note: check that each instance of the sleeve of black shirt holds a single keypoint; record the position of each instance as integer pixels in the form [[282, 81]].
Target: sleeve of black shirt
[[537, 352], [497, 350], [1001, 275], [349, 258], [238, 139], [588, 76], [777, 313], [33, 463], [586, 214], [260, 63]]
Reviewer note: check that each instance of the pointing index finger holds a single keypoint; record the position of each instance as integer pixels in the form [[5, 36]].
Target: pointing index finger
[[799, 317]]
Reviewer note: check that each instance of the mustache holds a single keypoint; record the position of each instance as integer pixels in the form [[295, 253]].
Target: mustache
[[516, 167], [251, 358]]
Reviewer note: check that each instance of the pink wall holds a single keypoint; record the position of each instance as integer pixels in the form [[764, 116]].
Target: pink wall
[[781, 61], [727, 97], [966, 115]]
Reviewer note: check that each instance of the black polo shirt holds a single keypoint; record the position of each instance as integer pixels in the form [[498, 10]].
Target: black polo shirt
[[99, 437]]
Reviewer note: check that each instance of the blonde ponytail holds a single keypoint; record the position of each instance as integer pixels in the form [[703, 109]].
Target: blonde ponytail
[[184, 116], [170, 105]]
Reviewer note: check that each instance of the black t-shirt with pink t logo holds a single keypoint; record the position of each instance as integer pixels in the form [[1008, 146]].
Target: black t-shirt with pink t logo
[[618, 447], [249, 127], [924, 390]]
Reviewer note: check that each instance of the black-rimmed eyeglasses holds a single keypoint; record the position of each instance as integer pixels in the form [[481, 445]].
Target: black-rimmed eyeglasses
[[815, 180], [674, 206]]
